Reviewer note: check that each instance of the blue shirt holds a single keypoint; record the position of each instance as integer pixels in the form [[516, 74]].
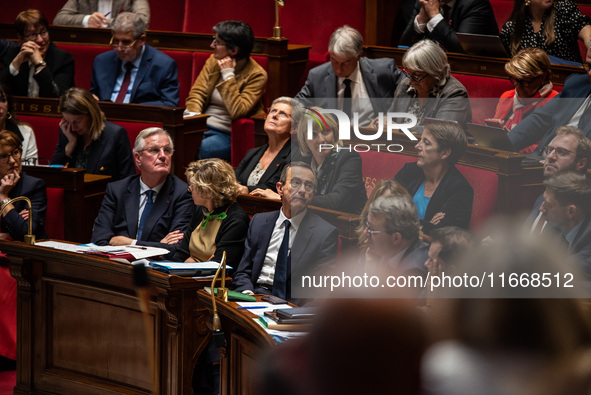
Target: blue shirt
[[119, 81], [421, 201]]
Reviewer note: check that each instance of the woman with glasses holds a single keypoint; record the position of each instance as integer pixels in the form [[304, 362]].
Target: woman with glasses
[[551, 25], [441, 193], [429, 91], [9, 122], [218, 224], [88, 141], [530, 72], [338, 173], [229, 86], [37, 68], [259, 171], [15, 183]]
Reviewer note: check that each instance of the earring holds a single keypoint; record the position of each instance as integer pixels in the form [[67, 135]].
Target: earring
[[9, 116]]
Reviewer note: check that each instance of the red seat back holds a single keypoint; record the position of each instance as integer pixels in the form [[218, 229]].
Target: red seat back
[[184, 63], [46, 133], [486, 189], [54, 218], [378, 166], [84, 59]]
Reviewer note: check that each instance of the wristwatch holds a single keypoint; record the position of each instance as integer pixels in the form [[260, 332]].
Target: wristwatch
[[41, 64]]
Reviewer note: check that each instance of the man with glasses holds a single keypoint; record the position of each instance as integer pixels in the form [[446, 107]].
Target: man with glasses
[[36, 68], [350, 82], [134, 72], [572, 107], [282, 245], [393, 238], [570, 150], [152, 208]]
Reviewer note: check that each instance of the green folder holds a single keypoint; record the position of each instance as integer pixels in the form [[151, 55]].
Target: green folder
[[233, 295]]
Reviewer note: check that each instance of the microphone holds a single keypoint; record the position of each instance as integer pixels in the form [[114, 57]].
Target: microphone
[[30, 237], [218, 336]]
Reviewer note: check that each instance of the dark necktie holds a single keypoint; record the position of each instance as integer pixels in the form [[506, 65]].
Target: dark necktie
[[145, 213], [347, 97], [281, 266], [125, 83]]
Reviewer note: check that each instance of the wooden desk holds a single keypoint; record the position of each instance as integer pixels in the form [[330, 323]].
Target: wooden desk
[[80, 330], [83, 196], [245, 340]]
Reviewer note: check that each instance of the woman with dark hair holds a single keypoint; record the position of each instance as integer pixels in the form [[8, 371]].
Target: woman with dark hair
[[441, 193], [88, 141], [229, 86], [37, 68], [551, 25], [9, 122], [14, 183]]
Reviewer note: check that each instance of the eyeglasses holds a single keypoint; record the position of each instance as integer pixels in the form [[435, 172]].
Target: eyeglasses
[[561, 152], [524, 83], [121, 43], [413, 76], [372, 232], [587, 66], [33, 36], [215, 43], [16, 155], [296, 183], [156, 150]]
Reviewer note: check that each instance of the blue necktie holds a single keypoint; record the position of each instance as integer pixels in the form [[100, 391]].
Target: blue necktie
[[145, 214], [281, 266]]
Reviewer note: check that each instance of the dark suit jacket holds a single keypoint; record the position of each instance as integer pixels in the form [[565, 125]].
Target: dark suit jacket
[[340, 185], [315, 243], [379, 75], [120, 209], [56, 78], [13, 223], [467, 16], [273, 172], [542, 123], [229, 239], [109, 155], [453, 196], [581, 246], [155, 83]]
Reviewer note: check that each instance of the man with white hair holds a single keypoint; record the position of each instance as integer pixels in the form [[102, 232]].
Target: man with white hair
[[152, 208], [349, 78]]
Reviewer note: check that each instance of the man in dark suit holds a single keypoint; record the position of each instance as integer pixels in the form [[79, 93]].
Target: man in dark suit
[[365, 85], [393, 239], [441, 20], [152, 208], [569, 108], [134, 72], [308, 242], [36, 68], [567, 206]]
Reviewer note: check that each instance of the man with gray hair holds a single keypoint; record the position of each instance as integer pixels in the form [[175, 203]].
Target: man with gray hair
[[134, 72], [350, 82], [567, 206], [393, 237], [152, 208]]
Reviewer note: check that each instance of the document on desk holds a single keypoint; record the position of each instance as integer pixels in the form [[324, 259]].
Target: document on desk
[[63, 246], [126, 252], [259, 308]]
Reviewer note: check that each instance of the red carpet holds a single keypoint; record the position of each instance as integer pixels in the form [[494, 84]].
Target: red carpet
[[7, 382]]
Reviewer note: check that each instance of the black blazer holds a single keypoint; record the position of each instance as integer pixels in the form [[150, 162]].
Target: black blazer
[[341, 185], [13, 223], [56, 78], [109, 155], [230, 237], [119, 212], [467, 16], [271, 176], [453, 196]]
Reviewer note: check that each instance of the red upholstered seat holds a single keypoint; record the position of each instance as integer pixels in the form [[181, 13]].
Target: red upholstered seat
[[486, 189], [46, 133], [488, 90], [378, 166], [167, 15], [502, 10], [184, 63], [84, 58], [54, 217]]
